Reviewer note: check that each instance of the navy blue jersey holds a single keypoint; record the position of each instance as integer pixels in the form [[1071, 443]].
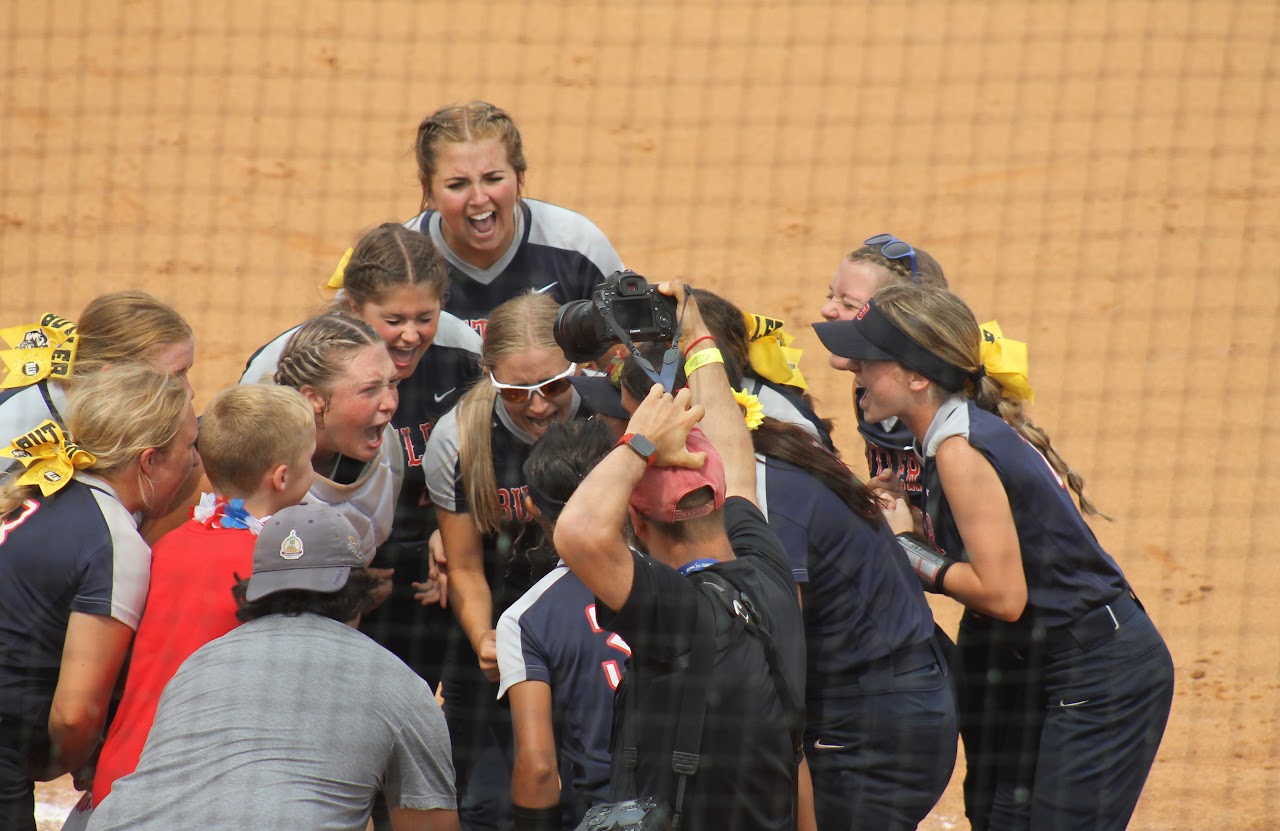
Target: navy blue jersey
[[512, 560], [25, 408], [555, 251], [77, 550], [862, 601], [890, 446], [553, 635], [1067, 571]]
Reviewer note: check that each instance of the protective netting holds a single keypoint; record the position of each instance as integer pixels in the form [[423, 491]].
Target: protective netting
[[1100, 176]]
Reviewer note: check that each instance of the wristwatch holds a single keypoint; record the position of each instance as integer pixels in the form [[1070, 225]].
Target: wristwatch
[[644, 448]]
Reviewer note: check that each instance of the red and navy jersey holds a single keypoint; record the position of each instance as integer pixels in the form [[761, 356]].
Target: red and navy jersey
[[553, 634], [556, 251], [446, 371], [77, 550], [862, 601], [1068, 573], [890, 446], [512, 561]]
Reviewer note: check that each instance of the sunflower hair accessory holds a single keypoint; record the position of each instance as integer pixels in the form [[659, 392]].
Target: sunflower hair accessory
[[1005, 362], [770, 352], [752, 409], [338, 277], [50, 459]]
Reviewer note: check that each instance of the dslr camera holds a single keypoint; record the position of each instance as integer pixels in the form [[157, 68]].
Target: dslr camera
[[625, 307]]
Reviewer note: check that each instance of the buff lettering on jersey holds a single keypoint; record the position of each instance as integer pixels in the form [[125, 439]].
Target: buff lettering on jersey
[[412, 456], [479, 324], [32, 353], [511, 500], [29, 507], [612, 672]]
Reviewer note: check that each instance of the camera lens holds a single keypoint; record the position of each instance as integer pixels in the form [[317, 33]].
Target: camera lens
[[579, 331]]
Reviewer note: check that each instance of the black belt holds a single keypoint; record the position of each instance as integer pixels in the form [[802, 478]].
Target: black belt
[[1094, 627], [877, 675]]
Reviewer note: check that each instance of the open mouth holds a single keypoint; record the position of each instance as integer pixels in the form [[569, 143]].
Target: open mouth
[[374, 435], [483, 223], [404, 357]]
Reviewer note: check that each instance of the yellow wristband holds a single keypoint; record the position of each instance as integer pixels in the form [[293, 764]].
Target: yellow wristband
[[700, 359]]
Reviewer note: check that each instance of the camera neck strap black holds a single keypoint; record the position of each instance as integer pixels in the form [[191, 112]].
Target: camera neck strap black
[[670, 359], [693, 709]]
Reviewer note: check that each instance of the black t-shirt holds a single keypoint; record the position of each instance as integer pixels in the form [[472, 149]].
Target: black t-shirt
[[745, 778]]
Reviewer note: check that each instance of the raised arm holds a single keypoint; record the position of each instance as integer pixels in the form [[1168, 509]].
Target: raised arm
[[589, 532], [723, 422]]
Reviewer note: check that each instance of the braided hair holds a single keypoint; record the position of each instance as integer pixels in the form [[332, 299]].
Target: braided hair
[[318, 352], [391, 255], [458, 123]]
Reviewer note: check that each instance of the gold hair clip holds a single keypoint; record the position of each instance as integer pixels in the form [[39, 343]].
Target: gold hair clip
[[770, 351], [41, 350], [1005, 361]]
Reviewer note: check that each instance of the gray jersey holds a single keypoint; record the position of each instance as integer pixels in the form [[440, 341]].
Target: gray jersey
[[286, 722]]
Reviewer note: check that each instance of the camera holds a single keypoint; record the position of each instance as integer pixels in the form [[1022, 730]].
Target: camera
[[646, 814], [625, 304]]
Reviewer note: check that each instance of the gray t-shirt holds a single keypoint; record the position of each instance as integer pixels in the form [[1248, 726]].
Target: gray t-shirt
[[286, 722]]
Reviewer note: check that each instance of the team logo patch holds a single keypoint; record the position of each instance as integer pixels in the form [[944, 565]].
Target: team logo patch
[[53, 476], [291, 548], [30, 369], [353, 545], [19, 453], [866, 307]]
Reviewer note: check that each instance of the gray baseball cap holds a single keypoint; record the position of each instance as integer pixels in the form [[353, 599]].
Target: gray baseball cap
[[310, 547]]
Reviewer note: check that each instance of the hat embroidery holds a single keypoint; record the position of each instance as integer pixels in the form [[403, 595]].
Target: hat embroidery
[[353, 545], [291, 548]]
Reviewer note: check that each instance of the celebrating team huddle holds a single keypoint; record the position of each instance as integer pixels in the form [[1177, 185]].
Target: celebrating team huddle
[[601, 520]]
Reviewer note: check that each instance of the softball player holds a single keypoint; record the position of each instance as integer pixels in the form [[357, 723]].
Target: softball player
[[122, 327], [74, 570], [882, 260], [474, 468], [396, 281], [498, 244], [1005, 539]]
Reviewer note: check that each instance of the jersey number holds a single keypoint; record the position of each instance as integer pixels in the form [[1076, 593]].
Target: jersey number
[[612, 672], [29, 507]]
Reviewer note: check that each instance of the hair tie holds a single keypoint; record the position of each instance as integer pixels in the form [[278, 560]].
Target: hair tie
[[339, 274], [50, 459], [978, 374], [1005, 362], [41, 350], [770, 352]]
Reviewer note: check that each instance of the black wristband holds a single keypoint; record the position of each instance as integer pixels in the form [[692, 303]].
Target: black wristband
[[929, 565], [538, 819]]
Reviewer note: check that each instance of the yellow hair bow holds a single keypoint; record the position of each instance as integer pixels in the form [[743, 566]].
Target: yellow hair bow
[[1005, 361], [340, 273], [50, 459], [38, 351], [770, 352]]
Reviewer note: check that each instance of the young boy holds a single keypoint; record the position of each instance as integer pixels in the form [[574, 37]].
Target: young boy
[[256, 442]]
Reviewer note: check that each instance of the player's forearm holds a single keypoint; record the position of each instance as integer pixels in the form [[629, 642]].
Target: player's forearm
[[724, 424], [535, 781], [472, 602]]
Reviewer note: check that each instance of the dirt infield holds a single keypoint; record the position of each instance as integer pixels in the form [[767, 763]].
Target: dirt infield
[[1096, 175]]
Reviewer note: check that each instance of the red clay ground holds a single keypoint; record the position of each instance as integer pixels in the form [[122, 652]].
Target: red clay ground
[[1094, 174]]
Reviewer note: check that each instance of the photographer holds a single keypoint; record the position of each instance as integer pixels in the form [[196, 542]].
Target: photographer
[[694, 511]]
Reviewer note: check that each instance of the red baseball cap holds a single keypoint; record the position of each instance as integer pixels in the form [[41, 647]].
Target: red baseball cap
[[660, 491]]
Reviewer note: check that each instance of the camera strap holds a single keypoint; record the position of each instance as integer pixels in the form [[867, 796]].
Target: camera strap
[[670, 359], [693, 708]]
